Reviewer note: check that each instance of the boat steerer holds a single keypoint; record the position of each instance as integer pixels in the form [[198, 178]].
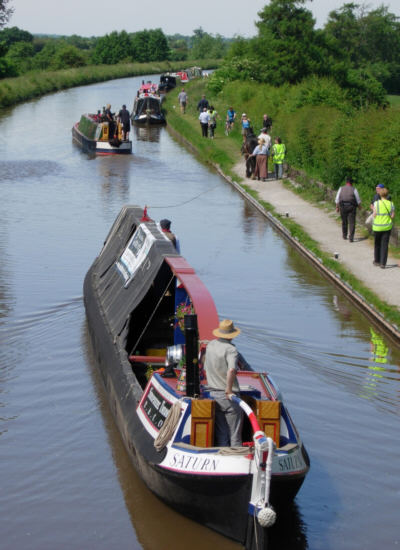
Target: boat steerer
[[192, 355], [263, 454]]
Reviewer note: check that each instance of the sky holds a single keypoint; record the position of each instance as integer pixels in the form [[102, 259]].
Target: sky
[[98, 17]]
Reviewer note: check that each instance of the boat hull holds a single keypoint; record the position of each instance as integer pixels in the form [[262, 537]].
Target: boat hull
[[215, 497], [100, 147], [148, 120]]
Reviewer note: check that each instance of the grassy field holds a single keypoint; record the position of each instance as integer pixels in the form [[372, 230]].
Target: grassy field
[[394, 100], [222, 150]]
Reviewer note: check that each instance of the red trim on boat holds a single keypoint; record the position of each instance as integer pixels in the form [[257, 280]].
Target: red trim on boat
[[207, 316]]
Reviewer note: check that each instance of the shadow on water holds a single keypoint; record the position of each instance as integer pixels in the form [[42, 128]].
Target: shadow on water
[[157, 525]]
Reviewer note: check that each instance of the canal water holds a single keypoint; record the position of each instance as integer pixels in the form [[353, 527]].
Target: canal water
[[66, 481]]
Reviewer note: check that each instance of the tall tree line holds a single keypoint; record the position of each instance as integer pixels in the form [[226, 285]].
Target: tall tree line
[[358, 48]]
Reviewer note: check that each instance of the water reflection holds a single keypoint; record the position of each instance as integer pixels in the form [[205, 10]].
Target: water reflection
[[147, 133], [114, 173]]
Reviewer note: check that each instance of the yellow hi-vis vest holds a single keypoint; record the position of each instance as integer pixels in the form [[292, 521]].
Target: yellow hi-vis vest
[[382, 220], [278, 151]]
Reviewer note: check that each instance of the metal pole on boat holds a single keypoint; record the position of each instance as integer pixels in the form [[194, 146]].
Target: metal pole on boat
[[192, 354]]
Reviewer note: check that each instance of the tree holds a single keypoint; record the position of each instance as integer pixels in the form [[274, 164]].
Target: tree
[[14, 34], [368, 41], [112, 48], [5, 12], [68, 56], [287, 42], [158, 45], [20, 55]]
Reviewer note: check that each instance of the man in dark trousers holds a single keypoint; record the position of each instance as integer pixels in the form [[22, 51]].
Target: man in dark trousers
[[203, 103], [125, 119], [347, 200]]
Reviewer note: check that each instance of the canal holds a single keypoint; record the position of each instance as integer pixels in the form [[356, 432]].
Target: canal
[[66, 481]]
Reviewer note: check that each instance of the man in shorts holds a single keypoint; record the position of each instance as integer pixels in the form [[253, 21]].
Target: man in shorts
[[182, 97]]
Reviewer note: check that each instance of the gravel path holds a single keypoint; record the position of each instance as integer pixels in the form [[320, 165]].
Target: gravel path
[[325, 228]]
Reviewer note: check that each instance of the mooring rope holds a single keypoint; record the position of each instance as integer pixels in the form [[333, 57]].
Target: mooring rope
[[169, 426], [185, 202]]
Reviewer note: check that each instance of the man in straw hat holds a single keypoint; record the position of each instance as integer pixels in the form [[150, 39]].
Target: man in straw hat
[[221, 365]]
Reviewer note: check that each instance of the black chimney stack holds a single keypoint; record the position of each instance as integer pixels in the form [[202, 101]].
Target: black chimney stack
[[192, 356]]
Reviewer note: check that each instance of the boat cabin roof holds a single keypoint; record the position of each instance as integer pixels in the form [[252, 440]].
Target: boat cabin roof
[[134, 254]]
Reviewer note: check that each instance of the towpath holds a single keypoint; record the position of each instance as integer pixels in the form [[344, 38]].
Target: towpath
[[325, 228]]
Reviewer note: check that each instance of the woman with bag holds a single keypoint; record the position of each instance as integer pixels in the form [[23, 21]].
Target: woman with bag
[[382, 226]]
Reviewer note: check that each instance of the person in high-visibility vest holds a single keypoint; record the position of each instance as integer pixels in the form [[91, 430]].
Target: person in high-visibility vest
[[382, 226], [278, 156]]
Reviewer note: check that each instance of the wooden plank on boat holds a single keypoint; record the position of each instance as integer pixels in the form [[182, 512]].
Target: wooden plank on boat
[[202, 432], [268, 415]]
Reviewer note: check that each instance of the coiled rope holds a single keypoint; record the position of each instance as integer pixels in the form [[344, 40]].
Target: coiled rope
[[169, 426]]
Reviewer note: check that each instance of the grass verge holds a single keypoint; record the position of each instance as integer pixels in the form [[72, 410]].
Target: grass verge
[[36, 84]]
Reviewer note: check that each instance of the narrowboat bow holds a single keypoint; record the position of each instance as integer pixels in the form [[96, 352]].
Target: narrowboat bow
[[93, 136], [150, 318], [147, 106]]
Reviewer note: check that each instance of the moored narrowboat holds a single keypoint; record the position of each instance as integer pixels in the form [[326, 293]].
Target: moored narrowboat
[[147, 109], [150, 318], [167, 83], [96, 136]]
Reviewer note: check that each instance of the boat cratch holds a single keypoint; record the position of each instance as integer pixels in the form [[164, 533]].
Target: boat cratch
[[93, 136], [150, 318]]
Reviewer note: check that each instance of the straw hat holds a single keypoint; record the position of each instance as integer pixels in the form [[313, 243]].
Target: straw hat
[[226, 329]]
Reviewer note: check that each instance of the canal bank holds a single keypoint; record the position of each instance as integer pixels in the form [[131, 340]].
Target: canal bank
[[316, 233]]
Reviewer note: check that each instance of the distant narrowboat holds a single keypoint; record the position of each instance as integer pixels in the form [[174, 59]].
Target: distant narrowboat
[[93, 136]]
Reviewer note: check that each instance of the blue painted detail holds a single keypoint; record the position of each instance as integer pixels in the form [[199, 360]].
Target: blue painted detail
[[165, 386], [288, 421], [180, 296], [253, 510], [186, 415]]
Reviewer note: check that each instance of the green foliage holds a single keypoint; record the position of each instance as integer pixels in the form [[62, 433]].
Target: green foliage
[[7, 68], [112, 48], [20, 55], [14, 34], [288, 49], [68, 56], [205, 45]]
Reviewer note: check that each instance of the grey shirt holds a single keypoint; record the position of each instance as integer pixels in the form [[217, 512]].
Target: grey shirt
[[221, 355], [182, 97]]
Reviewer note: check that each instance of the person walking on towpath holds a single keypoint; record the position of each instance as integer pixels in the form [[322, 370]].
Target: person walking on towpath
[[266, 122], [204, 118], [221, 366], [382, 226], [246, 126], [347, 200], [213, 121], [278, 156], [203, 103], [261, 154], [230, 120], [182, 97]]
